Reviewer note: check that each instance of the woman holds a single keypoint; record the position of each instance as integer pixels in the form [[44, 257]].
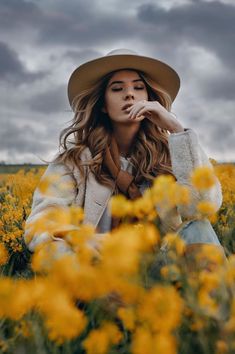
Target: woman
[[124, 136]]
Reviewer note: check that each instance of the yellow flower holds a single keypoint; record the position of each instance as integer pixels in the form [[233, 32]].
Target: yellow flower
[[221, 347], [128, 317], [207, 303], [99, 340], [43, 256], [161, 308], [130, 293], [171, 271], [165, 271], [167, 193], [121, 251], [78, 238], [207, 210], [65, 321], [210, 280], [183, 195], [209, 286], [78, 278], [57, 221], [210, 253], [175, 241], [142, 341], [146, 342], [15, 298], [143, 206], [165, 343], [148, 235], [120, 206], [230, 270], [4, 256], [48, 184], [76, 214], [203, 177], [163, 191]]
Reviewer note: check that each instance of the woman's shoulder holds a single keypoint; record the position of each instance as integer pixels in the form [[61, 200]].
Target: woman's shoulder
[[68, 166], [59, 160]]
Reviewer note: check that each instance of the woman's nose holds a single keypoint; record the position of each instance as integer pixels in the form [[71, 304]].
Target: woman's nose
[[128, 93]]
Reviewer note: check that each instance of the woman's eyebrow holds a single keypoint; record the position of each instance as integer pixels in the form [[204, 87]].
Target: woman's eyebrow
[[122, 82]]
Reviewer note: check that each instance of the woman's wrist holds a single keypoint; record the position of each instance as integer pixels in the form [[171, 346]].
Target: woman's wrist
[[176, 129], [175, 126]]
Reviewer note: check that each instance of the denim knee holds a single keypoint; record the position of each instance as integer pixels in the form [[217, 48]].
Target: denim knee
[[198, 231]]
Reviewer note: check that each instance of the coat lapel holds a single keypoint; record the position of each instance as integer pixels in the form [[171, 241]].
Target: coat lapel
[[96, 199]]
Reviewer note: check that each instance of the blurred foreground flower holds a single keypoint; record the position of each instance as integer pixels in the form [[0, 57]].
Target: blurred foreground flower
[[203, 178]]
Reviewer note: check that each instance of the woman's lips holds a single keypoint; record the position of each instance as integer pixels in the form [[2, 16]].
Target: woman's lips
[[126, 106]]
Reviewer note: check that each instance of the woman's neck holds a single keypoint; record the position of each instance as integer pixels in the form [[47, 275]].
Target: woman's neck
[[125, 136]]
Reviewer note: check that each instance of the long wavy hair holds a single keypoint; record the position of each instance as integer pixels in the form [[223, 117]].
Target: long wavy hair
[[91, 129]]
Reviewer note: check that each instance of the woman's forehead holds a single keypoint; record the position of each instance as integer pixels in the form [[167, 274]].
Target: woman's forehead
[[125, 75]]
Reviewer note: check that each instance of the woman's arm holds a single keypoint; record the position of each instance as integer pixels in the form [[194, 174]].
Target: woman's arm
[[186, 155], [185, 150], [61, 193]]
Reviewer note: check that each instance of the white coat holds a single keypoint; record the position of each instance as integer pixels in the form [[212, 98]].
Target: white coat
[[186, 154]]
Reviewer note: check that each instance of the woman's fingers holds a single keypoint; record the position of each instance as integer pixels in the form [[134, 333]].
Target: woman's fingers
[[155, 112], [139, 110], [133, 110], [144, 112], [139, 119]]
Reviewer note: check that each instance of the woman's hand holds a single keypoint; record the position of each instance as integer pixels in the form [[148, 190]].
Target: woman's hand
[[155, 112]]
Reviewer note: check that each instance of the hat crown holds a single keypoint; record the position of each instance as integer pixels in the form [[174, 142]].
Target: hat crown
[[122, 51], [88, 74]]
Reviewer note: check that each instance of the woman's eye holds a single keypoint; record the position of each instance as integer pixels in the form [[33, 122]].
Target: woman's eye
[[136, 88]]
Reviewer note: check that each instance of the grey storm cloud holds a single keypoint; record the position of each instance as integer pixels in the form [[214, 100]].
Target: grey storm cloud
[[210, 24], [86, 54], [222, 137], [81, 32], [74, 23], [12, 69], [22, 139], [18, 14], [63, 34], [220, 88], [50, 101]]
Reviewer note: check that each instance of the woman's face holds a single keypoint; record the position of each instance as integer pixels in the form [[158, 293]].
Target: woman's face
[[124, 87]]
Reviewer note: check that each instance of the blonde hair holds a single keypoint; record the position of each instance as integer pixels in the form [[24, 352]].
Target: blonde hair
[[91, 128]]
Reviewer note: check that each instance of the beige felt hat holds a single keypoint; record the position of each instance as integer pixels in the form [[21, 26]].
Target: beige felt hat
[[88, 73]]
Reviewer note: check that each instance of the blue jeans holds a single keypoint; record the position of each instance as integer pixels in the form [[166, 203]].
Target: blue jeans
[[193, 231], [198, 231]]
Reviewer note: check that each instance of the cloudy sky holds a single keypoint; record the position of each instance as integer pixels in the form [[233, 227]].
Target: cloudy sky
[[43, 41]]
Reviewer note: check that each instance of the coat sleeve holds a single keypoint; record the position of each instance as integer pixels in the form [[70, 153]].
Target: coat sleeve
[[186, 155], [61, 193]]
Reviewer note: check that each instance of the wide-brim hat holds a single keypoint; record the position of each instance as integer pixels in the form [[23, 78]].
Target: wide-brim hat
[[87, 74]]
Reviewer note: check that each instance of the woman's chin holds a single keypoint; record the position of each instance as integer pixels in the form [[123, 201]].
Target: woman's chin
[[127, 122], [124, 120]]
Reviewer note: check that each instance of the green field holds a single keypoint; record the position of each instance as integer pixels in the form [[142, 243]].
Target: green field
[[11, 168], [15, 168]]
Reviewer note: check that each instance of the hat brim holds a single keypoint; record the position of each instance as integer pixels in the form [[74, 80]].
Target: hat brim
[[90, 72]]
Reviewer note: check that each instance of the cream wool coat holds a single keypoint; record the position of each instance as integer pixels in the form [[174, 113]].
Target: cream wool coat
[[186, 154]]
